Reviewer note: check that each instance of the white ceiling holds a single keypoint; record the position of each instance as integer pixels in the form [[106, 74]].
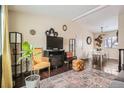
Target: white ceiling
[[106, 17], [60, 11]]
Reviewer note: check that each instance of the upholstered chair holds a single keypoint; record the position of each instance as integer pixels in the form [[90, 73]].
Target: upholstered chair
[[40, 62]]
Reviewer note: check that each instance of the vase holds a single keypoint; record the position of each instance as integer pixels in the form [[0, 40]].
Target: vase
[[32, 81]]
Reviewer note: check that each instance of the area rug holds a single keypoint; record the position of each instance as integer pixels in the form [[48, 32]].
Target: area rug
[[89, 78]]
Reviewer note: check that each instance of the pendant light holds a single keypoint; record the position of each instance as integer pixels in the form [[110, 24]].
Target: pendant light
[[102, 33]]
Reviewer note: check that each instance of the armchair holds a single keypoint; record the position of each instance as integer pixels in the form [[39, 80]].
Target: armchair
[[40, 62]]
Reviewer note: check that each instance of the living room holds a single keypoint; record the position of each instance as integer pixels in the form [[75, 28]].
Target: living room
[[43, 22], [51, 28]]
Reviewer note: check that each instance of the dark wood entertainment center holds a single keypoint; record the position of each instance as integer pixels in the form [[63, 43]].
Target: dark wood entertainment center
[[54, 48], [56, 57]]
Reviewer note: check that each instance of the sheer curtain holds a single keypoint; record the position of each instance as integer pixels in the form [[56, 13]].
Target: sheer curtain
[[6, 58]]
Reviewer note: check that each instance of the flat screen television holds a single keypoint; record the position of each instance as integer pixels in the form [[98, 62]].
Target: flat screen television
[[54, 42]]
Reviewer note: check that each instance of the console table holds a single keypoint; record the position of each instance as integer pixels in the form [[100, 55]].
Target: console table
[[56, 57]]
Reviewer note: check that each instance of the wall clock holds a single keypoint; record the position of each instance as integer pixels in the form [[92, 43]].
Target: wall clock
[[32, 32], [64, 27]]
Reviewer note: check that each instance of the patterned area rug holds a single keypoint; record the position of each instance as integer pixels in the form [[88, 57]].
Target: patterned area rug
[[89, 78]]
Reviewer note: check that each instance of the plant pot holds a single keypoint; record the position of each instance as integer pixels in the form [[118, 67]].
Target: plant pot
[[32, 81]]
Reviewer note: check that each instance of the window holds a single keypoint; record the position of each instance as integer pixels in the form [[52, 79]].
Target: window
[[111, 42]]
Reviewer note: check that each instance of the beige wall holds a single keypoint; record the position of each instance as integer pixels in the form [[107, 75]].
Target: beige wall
[[121, 30], [23, 22], [113, 53]]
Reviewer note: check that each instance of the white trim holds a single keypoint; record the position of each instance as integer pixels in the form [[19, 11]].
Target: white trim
[[89, 12]]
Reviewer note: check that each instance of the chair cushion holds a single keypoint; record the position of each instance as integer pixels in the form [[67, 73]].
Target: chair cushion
[[37, 57], [41, 65], [69, 54]]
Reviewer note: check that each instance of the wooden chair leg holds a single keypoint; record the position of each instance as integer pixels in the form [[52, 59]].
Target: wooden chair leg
[[49, 71], [36, 71]]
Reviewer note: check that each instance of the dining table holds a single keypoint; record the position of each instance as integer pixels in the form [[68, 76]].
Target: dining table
[[99, 58]]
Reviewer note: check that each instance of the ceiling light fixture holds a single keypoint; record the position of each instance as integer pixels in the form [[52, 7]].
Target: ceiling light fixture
[[102, 33]]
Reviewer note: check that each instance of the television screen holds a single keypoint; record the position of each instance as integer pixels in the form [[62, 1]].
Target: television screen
[[54, 42]]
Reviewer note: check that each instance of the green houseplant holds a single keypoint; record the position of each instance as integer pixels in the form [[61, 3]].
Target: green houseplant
[[33, 80]]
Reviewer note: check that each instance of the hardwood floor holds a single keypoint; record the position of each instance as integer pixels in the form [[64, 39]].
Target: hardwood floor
[[55, 71], [111, 66]]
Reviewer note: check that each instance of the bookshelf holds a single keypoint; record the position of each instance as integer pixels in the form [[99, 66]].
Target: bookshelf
[[16, 48]]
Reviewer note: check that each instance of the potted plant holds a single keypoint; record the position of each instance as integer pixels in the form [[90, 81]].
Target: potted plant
[[33, 80]]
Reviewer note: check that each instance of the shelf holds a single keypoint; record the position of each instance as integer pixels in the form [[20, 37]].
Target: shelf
[[16, 48], [17, 76], [15, 43], [16, 64], [72, 43], [17, 54]]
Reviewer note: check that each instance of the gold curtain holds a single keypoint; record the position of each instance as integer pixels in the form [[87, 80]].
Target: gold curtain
[[6, 58]]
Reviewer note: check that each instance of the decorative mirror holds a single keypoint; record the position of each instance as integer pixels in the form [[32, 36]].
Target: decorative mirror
[[55, 34], [32, 32], [89, 40], [47, 33], [51, 32], [64, 27]]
